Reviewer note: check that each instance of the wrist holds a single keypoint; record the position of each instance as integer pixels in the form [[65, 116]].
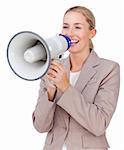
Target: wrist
[[66, 87], [51, 94]]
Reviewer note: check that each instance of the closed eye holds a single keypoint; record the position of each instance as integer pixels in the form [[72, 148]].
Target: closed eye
[[65, 27], [78, 27]]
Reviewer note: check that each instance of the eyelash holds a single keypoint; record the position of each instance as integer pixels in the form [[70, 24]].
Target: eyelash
[[78, 27], [65, 27]]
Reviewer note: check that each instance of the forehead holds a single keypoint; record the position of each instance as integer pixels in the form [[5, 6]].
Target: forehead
[[74, 17]]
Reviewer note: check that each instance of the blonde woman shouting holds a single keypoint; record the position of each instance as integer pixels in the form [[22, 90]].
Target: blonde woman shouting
[[77, 105]]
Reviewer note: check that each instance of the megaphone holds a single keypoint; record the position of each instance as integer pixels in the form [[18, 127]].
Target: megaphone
[[29, 55]]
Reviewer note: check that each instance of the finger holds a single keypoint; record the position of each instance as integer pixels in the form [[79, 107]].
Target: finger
[[52, 73], [50, 82], [51, 78], [56, 63], [54, 67], [44, 77]]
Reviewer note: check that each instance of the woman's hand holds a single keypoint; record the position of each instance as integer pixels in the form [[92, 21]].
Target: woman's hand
[[58, 75]]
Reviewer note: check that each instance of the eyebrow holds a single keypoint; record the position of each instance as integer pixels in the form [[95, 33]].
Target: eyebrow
[[74, 24]]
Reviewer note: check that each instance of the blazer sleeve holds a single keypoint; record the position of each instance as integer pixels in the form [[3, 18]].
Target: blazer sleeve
[[44, 111], [94, 117]]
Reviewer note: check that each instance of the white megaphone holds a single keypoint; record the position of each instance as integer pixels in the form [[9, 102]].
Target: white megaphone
[[29, 55]]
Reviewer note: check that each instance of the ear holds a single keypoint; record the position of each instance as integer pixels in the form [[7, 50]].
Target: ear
[[92, 33]]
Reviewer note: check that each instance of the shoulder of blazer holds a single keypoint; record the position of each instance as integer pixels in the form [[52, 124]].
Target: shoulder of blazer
[[108, 64], [102, 62], [108, 61]]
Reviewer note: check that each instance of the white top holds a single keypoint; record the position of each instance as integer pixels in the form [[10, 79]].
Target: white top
[[64, 147], [73, 78]]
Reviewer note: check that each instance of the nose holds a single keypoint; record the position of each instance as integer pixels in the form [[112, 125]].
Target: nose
[[70, 32]]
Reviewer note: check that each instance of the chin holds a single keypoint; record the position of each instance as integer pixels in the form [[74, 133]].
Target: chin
[[72, 49]]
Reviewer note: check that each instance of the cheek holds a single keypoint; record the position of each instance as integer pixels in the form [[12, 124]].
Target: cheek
[[83, 33], [84, 38], [64, 31]]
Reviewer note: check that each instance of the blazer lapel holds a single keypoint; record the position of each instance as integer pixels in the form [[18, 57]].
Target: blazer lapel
[[88, 71], [86, 74]]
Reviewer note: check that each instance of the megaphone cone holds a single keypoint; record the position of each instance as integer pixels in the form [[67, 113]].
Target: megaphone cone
[[29, 55]]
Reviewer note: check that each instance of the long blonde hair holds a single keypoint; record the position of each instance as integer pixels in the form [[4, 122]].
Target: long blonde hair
[[89, 18]]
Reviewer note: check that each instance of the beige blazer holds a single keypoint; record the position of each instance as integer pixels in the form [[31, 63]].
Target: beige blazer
[[80, 116]]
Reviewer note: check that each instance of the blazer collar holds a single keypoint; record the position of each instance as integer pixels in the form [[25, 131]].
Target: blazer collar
[[87, 72]]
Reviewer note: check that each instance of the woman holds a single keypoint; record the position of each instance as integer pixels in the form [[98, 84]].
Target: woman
[[76, 106]]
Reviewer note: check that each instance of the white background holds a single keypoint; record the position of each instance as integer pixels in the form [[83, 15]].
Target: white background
[[18, 97]]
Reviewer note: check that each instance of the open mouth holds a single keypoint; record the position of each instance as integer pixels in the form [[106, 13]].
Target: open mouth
[[74, 42]]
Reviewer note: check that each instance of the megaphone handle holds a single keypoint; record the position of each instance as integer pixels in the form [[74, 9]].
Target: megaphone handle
[[58, 59]]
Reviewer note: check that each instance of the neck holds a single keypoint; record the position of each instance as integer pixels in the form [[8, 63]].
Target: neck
[[78, 59]]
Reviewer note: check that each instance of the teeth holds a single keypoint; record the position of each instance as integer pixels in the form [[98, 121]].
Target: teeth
[[74, 41]]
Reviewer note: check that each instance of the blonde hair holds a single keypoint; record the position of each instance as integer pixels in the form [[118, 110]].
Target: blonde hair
[[89, 18]]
